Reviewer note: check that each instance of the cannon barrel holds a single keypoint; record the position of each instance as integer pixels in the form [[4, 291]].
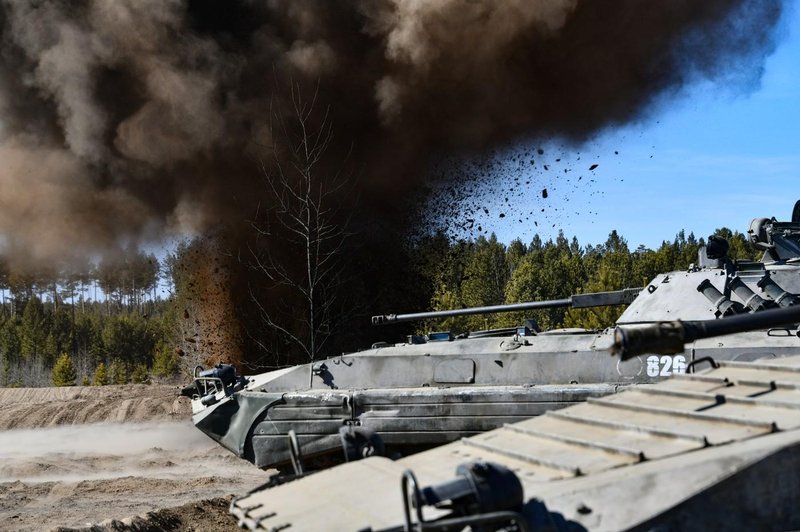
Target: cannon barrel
[[597, 299], [669, 337]]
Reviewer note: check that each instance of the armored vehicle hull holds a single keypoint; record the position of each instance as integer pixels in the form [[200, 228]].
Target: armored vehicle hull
[[412, 395], [423, 394]]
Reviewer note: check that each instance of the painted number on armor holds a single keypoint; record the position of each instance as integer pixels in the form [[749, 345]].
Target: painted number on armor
[[665, 366]]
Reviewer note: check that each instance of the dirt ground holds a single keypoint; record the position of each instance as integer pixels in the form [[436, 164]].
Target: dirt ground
[[112, 458]]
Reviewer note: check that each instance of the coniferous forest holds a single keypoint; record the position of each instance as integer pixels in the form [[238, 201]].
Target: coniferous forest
[[117, 321], [104, 323]]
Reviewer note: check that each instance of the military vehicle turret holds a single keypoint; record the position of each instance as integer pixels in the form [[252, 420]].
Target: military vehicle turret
[[436, 389]]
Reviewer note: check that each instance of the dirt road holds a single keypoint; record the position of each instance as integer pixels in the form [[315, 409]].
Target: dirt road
[[83, 456]]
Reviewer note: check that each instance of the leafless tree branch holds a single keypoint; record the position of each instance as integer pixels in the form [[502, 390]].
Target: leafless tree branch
[[304, 224]]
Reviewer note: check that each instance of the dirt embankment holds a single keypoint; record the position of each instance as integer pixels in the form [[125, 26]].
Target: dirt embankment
[[23, 408], [95, 458]]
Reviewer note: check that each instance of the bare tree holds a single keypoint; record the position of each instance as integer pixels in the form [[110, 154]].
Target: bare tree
[[5, 284], [300, 235]]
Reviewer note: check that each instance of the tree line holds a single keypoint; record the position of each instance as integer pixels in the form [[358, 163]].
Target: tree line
[[124, 281], [435, 272], [103, 323], [487, 272], [54, 330]]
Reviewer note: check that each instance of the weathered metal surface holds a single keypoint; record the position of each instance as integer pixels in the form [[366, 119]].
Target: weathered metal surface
[[714, 450], [455, 371], [674, 295], [419, 416]]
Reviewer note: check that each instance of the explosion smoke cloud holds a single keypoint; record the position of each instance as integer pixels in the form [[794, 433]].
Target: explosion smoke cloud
[[119, 118]]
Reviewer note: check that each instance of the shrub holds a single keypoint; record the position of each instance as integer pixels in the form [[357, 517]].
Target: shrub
[[140, 375], [165, 363], [64, 371], [118, 373], [100, 375]]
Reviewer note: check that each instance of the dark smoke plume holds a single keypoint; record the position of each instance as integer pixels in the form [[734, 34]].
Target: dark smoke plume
[[131, 119], [128, 120]]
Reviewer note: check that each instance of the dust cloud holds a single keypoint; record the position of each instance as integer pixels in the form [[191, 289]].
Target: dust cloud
[[100, 438], [61, 471], [82, 453]]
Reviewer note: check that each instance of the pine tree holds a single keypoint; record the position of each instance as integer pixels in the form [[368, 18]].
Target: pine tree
[[60, 336], [10, 348], [165, 362], [117, 371], [139, 375], [100, 375], [485, 278], [34, 329], [64, 371]]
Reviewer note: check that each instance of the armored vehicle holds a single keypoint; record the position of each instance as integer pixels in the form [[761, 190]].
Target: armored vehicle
[[716, 449], [437, 389]]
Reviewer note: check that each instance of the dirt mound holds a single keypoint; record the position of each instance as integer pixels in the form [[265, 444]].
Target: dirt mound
[[85, 457], [43, 407], [209, 514], [54, 506]]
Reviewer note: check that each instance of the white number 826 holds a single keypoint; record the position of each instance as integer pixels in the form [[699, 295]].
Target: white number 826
[[665, 366]]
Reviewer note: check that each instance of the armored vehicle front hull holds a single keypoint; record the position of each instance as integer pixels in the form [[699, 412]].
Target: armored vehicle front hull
[[412, 396], [407, 420]]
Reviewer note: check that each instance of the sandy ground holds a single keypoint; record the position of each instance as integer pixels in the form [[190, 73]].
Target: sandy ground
[[96, 458]]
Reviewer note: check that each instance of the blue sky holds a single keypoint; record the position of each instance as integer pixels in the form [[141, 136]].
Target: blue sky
[[709, 157]]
